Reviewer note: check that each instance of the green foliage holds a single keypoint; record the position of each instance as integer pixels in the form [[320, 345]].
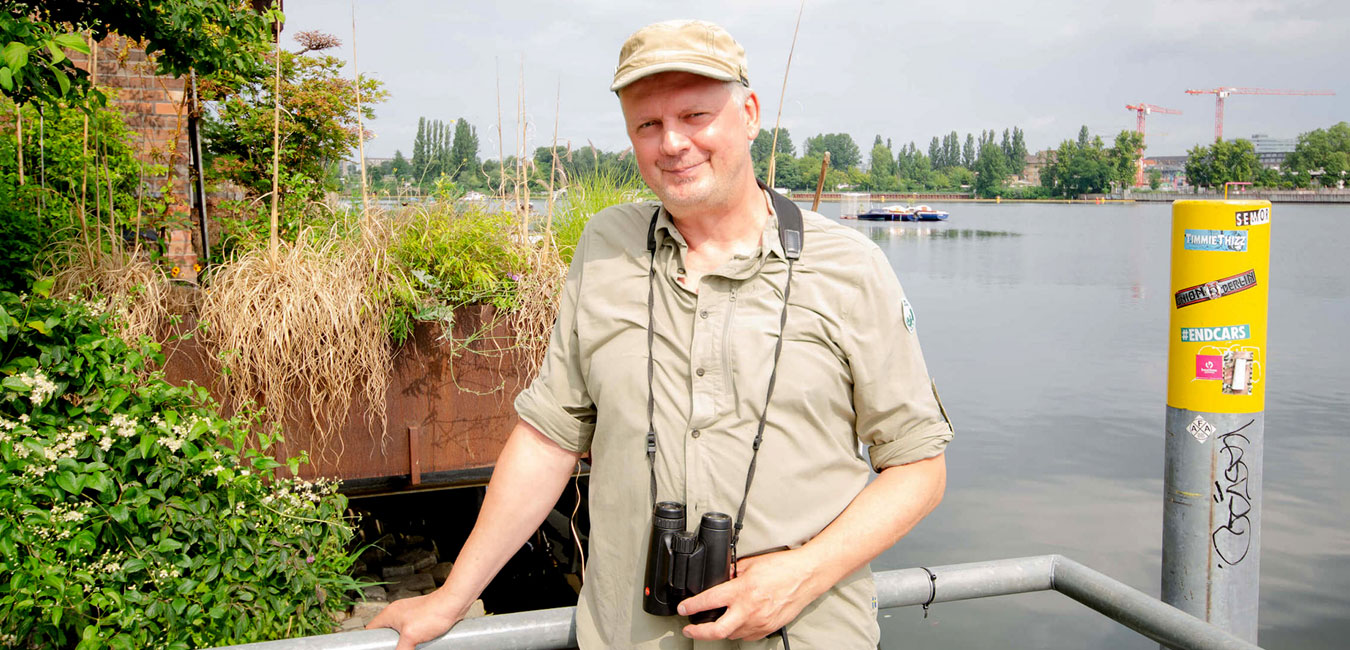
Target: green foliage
[[883, 172], [57, 167], [1125, 157], [1086, 166], [843, 150], [318, 124], [991, 170], [1154, 179], [759, 153], [588, 195], [1223, 162], [460, 255], [1323, 153], [210, 36], [132, 515]]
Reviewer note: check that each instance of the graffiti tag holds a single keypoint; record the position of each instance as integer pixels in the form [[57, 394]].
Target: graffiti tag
[[1232, 540]]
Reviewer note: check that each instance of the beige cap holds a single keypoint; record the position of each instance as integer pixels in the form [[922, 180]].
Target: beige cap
[[693, 46]]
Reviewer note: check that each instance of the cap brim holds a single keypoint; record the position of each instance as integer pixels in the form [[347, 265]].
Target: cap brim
[[671, 66]]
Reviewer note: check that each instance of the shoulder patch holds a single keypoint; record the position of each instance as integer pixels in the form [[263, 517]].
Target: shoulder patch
[[908, 313]]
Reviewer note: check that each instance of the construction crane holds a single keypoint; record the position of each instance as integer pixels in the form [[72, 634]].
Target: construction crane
[[1141, 109], [1221, 93]]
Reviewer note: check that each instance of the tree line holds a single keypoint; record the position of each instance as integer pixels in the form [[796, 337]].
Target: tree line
[[1321, 158]]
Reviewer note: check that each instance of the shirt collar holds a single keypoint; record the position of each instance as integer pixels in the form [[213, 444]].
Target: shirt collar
[[665, 228]]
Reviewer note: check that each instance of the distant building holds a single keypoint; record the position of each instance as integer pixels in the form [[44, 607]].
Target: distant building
[[1271, 152], [1031, 172], [1172, 169]]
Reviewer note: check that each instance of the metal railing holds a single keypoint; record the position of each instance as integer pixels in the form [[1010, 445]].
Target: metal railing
[[555, 628]]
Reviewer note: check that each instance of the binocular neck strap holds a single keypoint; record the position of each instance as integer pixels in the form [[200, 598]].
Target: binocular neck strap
[[790, 236]]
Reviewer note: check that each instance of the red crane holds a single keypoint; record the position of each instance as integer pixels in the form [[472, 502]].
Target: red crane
[[1142, 109], [1221, 93]]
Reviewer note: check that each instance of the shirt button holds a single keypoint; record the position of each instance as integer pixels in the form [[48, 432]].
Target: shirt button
[[681, 270], [703, 314], [699, 372], [696, 433]]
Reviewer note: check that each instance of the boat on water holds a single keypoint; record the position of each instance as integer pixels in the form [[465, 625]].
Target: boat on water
[[904, 213], [925, 213], [888, 213]]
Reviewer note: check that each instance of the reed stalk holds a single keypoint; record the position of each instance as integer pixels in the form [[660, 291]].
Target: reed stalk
[[553, 166], [782, 98], [18, 133], [273, 226], [360, 125]]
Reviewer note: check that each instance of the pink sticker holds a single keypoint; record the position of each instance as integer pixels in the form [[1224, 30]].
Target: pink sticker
[[1209, 366]]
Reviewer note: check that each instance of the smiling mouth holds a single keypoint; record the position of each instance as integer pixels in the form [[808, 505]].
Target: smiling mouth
[[681, 171]]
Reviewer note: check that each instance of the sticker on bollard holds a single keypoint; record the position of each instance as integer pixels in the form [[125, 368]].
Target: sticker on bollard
[[1258, 217], [1216, 240], [1200, 429], [1217, 289], [1209, 366], [1210, 334]]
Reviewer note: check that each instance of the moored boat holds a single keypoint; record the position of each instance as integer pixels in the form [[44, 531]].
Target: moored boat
[[925, 213], [888, 213]]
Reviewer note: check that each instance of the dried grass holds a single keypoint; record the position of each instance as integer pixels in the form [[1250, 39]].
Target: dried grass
[[537, 292], [304, 336], [136, 290]]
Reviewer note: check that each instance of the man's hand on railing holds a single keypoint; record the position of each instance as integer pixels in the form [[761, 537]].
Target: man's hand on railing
[[421, 619]]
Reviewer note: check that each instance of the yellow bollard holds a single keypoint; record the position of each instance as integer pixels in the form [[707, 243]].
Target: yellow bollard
[[1215, 430], [1220, 291]]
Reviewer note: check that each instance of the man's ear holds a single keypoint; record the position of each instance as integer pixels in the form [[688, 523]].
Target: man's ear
[[752, 115]]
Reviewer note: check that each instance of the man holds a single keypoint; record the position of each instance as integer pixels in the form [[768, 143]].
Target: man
[[717, 275]]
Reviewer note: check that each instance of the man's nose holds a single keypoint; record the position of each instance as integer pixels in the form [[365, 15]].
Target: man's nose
[[673, 142]]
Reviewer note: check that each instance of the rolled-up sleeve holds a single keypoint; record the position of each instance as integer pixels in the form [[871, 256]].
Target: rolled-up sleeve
[[898, 415], [557, 402]]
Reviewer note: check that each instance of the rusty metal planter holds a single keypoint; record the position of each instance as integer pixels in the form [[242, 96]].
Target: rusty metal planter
[[447, 416]]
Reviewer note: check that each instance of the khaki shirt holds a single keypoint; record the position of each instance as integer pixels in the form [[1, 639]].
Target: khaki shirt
[[850, 372]]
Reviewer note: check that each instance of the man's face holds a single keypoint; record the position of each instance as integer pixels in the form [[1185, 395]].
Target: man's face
[[690, 136]]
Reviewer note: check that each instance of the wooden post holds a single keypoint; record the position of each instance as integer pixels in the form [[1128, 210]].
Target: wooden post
[[820, 184]]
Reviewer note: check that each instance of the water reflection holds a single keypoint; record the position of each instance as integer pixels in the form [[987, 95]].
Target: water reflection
[[1046, 328], [881, 234]]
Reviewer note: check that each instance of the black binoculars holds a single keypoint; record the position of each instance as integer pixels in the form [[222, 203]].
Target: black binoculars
[[681, 564]]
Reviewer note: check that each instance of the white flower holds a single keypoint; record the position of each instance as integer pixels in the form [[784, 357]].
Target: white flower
[[105, 444], [41, 386]]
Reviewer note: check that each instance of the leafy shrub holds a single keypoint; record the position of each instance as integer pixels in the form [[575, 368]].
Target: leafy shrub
[[459, 256], [132, 515]]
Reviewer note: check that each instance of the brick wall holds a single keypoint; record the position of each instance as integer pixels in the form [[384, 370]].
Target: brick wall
[[152, 106]]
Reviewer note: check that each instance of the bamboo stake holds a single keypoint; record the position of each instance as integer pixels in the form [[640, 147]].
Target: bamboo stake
[[84, 147], [522, 202], [42, 162], [501, 146], [360, 125], [18, 128], [553, 164], [276, 149], [820, 184], [782, 98]]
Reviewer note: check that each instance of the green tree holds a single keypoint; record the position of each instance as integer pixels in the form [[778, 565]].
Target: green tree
[[1078, 167], [208, 36], [968, 152], [759, 153], [463, 154], [1017, 160], [1125, 157], [882, 174], [1154, 179], [1322, 153], [401, 167], [1223, 162], [991, 169], [843, 150], [419, 156], [935, 153], [318, 128]]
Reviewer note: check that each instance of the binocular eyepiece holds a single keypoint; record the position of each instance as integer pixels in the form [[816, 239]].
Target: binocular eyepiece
[[681, 564]]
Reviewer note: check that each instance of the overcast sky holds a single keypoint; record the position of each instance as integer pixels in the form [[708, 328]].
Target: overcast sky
[[905, 70]]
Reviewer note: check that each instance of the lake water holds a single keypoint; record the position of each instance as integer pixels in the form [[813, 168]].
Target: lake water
[[1045, 327]]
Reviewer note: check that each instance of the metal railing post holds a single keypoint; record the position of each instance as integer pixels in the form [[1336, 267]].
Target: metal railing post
[[1215, 426]]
